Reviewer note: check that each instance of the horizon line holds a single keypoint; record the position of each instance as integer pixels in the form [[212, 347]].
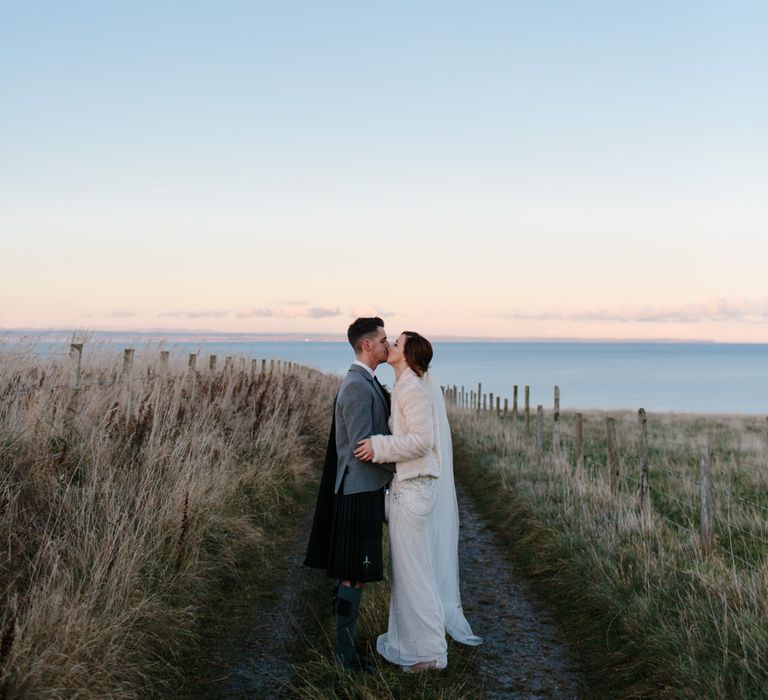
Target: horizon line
[[267, 337]]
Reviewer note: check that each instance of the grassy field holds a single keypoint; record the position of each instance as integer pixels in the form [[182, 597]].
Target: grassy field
[[649, 612], [124, 503]]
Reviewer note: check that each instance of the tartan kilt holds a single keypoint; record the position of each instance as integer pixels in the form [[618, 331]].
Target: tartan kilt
[[355, 549]]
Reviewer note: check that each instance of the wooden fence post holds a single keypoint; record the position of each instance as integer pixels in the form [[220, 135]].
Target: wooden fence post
[[540, 430], [490, 402], [556, 422], [506, 407], [645, 502], [479, 394], [766, 440], [228, 364], [613, 461], [191, 374], [254, 367], [579, 441], [527, 410], [127, 378], [707, 539], [212, 363], [127, 363], [263, 366], [514, 403], [485, 402], [76, 355], [164, 355]]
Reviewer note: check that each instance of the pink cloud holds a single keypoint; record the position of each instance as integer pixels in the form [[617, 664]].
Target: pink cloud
[[718, 311], [292, 312], [181, 313]]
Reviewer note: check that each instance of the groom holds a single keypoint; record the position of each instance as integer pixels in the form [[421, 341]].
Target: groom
[[347, 527]]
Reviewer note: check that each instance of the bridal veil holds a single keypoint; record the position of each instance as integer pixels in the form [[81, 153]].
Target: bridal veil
[[444, 530]]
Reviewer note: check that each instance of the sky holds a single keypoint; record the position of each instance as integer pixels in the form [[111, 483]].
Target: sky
[[476, 169]]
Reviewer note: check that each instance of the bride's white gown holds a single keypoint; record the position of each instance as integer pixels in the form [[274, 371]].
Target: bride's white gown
[[416, 629], [423, 534]]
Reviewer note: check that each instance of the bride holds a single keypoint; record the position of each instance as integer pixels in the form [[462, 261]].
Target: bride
[[423, 515]]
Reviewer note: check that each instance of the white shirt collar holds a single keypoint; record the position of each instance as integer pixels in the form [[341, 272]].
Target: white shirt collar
[[362, 364]]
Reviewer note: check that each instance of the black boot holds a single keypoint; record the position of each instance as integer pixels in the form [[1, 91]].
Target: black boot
[[347, 611]]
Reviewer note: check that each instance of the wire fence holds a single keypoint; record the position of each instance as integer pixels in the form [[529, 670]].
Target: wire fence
[[661, 465], [161, 367], [56, 387], [609, 453], [30, 385]]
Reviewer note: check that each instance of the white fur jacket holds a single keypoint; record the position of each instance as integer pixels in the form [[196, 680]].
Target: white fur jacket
[[414, 443]]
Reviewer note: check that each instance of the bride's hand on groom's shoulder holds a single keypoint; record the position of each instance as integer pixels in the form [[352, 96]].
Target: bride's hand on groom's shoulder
[[364, 451]]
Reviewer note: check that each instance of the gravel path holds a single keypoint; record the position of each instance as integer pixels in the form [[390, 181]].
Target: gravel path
[[523, 654], [249, 654]]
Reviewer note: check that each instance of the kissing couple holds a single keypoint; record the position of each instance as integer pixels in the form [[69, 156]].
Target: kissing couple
[[397, 448]]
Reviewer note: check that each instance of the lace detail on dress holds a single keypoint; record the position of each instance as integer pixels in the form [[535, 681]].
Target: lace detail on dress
[[418, 494]]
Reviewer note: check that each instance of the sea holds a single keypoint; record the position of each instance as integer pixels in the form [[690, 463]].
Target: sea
[[657, 376]]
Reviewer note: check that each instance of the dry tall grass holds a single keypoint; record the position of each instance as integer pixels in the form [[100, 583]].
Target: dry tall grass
[[652, 614], [122, 505]]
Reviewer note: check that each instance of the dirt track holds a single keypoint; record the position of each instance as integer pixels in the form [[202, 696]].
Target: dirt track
[[524, 654]]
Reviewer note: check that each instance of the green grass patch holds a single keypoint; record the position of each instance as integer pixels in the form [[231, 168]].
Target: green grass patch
[[647, 613]]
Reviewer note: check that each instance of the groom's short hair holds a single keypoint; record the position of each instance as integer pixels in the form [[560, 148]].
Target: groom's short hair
[[361, 328]]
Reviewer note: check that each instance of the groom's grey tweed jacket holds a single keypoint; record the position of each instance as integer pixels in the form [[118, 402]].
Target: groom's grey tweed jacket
[[361, 411]]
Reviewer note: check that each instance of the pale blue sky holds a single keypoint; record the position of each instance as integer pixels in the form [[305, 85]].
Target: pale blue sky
[[562, 162]]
